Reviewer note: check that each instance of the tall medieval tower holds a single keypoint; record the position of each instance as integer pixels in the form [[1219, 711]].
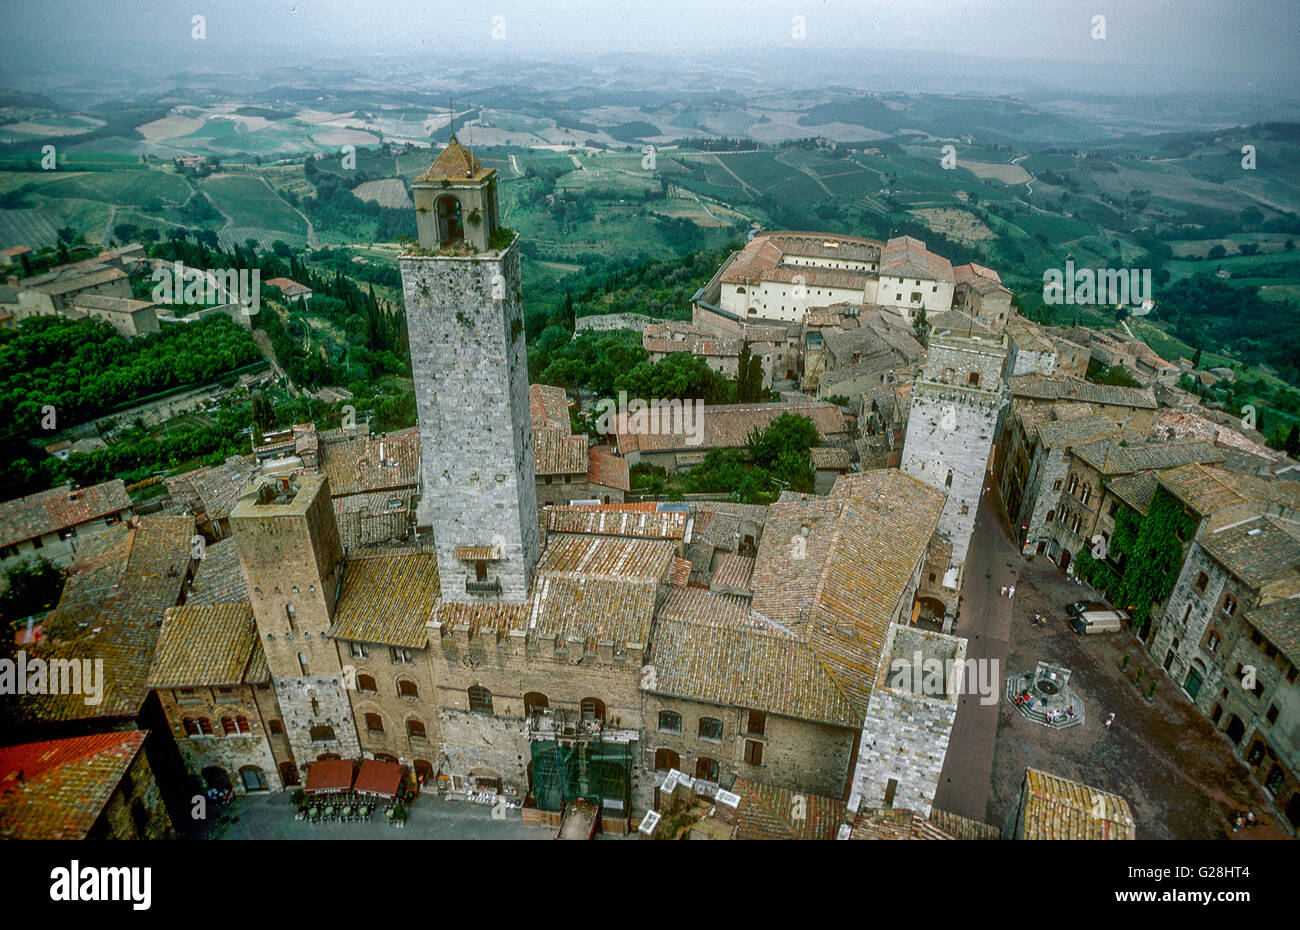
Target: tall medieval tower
[[465, 321], [950, 431], [289, 549]]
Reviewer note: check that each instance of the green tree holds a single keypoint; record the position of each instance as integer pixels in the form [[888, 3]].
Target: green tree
[[34, 586]]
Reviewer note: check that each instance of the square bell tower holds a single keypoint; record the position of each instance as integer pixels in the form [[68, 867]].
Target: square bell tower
[[464, 317]]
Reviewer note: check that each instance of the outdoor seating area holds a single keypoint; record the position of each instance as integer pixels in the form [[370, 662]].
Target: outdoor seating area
[[337, 791]]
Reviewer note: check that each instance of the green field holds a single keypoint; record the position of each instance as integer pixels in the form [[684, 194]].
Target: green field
[[250, 203]]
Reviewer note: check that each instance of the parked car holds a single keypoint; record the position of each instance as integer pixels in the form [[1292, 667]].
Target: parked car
[[1100, 621], [1079, 607]]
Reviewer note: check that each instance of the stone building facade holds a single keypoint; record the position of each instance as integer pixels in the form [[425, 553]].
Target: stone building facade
[[954, 412], [464, 319], [291, 557]]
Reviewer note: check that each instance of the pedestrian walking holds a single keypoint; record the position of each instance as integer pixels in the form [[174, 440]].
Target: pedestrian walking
[[1011, 591], [1110, 719], [1003, 591]]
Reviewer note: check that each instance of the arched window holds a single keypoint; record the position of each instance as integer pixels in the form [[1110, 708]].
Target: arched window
[[1051, 515], [706, 768], [191, 728], [1229, 605], [535, 701], [1212, 641], [666, 759], [593, 710], [205, 726], [321, 734], [276, 727], [973, 379], [374, 723], [415, 728], [407, 688], [480, 700], [451, 227], [947, 482], [366, 683], [241, 725], [1087, 493], [711, 728], [670, 721]]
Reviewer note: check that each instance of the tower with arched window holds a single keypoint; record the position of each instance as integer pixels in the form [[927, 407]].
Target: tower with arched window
[[478, 496]]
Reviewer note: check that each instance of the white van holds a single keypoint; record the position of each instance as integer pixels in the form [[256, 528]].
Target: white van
[[1100, 621]]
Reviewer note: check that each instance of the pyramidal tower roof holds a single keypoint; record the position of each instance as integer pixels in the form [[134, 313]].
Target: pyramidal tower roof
[[455, 163]]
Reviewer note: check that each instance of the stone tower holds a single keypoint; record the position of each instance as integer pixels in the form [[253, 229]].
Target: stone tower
[[950, 431], [289, 549], [466, 328]]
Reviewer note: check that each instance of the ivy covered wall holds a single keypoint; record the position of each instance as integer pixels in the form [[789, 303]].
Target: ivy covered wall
[[1149, 552]]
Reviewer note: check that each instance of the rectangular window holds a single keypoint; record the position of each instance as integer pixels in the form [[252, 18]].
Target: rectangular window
[[753, 752], [757, 723], [357, 650], [400, 656]]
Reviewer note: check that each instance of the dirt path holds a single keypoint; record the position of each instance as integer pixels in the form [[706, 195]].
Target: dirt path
[[723, 165], [1028, 189]]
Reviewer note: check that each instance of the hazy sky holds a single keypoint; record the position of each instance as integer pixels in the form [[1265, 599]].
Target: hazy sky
[[1229, 35]]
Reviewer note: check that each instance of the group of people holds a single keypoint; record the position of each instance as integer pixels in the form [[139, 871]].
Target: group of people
[[1008, 591], [1055, 715], [1244, 819], [1039, 621]]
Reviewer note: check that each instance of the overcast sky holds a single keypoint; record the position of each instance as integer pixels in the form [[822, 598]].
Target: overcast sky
[[1228, 35]]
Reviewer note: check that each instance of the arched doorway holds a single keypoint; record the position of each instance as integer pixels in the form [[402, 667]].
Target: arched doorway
[[252, 778], [451, 226], [217, 777], [1065, 559]]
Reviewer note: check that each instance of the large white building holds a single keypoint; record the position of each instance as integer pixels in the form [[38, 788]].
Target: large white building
[[783, 275]]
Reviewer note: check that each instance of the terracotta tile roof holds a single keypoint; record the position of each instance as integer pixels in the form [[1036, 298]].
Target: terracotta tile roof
[[387, 599], [214, 490], [1109, 457], [733, 575], [1200, 488], [556, 453], [727, 426], [830, 457], [288, 286], [770, 813], [492, 619], [379, 518], [603, 520], [679, 576], [111, 609], [1260, 551], [1279, 622], [205, 646], [476, 553], [1138, 491], [59, 508], [593, 609], [740, 666], [455, 162], [1060, 433], [1175, 423], [549, 408], [1056, 808], [608, 470], [219, 579], [362, 463], [963, 828], [613, 558], [905, 257], [1064, 387], [979, 277], [57, 789], [895, 824], [702, 606], [71, 281]]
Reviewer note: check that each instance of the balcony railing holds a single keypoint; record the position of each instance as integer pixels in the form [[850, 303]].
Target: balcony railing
[[483, 587]]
